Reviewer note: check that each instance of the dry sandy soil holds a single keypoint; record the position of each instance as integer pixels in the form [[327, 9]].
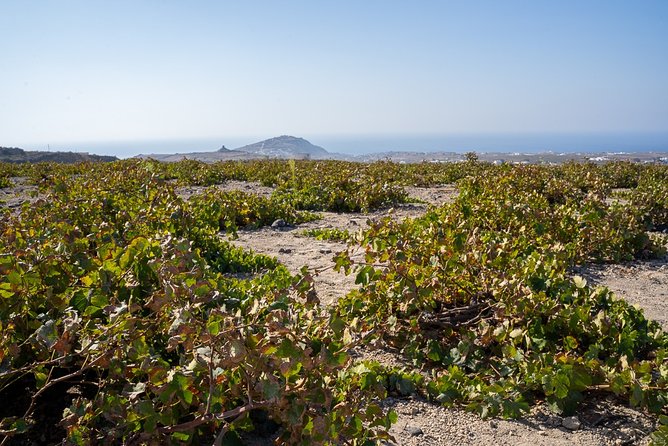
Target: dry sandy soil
[[642, 283], [13, 197]]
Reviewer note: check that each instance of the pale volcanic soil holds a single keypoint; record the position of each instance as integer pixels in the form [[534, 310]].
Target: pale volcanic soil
[[603, 420], [641, 283], [20, 192]]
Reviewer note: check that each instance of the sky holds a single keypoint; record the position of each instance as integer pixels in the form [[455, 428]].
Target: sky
[[98, 74]]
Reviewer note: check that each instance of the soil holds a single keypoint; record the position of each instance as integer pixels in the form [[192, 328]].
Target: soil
[[641, 283], [20, 192], [244, 186], [294, 250]]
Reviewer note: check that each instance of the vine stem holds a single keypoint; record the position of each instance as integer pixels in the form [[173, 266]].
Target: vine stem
[[52, 382], [232, 413]]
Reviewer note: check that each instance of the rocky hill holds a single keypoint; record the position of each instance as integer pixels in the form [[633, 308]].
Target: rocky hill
[[285, 147], [16, 155]]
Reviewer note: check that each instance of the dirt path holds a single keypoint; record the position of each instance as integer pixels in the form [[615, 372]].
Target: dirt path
[[294, 250]]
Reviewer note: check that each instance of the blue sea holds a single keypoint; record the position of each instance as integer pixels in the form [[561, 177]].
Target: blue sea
[[360, 144]]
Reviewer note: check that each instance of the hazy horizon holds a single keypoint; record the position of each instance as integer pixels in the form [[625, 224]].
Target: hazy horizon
[[366, 144]]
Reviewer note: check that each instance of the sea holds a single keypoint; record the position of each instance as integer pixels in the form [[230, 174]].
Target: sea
[[627, 142]]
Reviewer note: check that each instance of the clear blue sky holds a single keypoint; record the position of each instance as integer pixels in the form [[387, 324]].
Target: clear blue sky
[[83, 71]]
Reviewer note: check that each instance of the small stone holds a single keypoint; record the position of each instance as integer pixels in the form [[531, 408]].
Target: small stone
[[553, 422], [280, 223], [493, 424], [628, 434], [571, 423], [414, 431]]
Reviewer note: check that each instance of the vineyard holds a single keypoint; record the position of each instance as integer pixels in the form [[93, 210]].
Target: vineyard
[[133, 312]]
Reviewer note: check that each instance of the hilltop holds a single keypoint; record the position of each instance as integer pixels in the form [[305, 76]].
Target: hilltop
[[285, 146]]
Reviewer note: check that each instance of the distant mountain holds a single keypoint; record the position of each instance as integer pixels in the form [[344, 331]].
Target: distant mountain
[[16, 155], [285, 147]]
